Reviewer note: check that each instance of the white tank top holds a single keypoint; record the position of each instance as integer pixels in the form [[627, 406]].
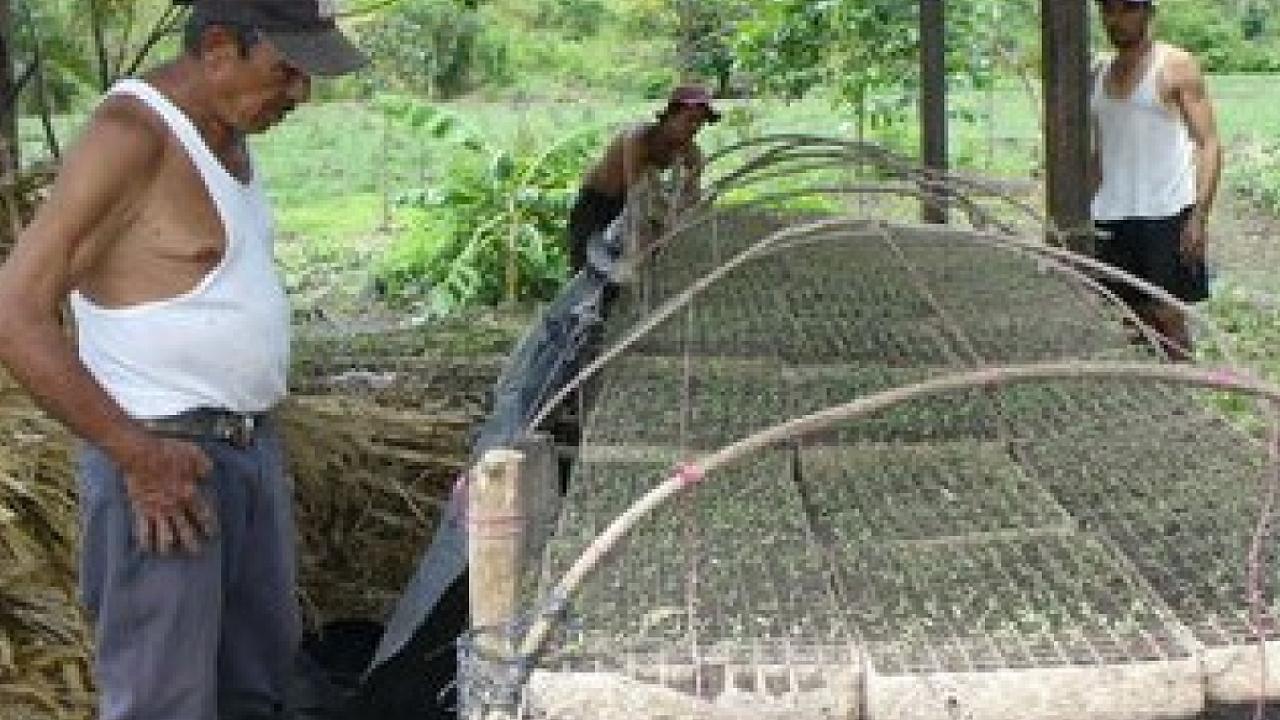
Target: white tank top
[[225, 343], [1146, 152]]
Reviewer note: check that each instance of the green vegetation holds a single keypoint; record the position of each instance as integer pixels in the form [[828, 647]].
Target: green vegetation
[[488, 229], [370, 185]]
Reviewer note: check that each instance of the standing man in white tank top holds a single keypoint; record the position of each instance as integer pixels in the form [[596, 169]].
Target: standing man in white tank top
[[159, 233], [1156, 165]]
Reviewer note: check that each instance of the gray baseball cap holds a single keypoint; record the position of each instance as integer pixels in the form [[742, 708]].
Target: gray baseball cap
[[304, 31]]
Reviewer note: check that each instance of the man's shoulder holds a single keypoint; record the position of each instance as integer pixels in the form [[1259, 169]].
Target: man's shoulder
[[634, 133], [1180, 63], [127, 130], [632, 141]]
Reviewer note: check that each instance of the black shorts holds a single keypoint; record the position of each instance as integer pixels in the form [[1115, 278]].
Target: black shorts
[[1149, 248], [592, 213]]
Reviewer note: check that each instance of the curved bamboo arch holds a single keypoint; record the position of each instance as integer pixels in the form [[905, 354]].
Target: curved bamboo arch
[[694, 473], [1062, 259], [939, 187], [782, 146], [786, 147]]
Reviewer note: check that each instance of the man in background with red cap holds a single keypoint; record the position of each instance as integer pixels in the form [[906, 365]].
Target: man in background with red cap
[[634, 157], [159, 234], [1156, 164]]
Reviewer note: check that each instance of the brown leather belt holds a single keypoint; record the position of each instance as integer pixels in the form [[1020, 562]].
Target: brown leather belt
[[236, 429]]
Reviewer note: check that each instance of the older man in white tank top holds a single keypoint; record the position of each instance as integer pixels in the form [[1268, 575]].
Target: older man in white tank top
[[159, 233], [1156, 166]]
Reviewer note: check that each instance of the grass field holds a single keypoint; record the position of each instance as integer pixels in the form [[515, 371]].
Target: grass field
[[336, 170]]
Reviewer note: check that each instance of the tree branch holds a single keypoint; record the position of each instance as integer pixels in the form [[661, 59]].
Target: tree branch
[[19, 83], [100, 45], [123, 47], [42, 99], [168, 23]]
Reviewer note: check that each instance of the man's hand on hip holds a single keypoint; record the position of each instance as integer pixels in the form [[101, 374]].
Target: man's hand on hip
[[169, 510]]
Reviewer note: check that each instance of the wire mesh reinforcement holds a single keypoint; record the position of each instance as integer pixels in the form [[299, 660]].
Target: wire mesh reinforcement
[[1069, 543]]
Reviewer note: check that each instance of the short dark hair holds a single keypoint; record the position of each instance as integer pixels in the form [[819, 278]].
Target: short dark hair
[[671, 109], [246, 37], [1151, 7]]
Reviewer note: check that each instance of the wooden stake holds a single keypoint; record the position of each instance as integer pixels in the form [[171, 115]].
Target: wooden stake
[[539, 491], [496, 524]]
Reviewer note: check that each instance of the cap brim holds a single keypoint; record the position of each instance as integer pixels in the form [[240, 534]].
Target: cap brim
[[323, 53]]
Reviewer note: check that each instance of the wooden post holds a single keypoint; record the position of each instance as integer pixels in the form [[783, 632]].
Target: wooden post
[[10, 160], [1066, 97], [496, 526], [8, 91], [933, 101], [540, 491]]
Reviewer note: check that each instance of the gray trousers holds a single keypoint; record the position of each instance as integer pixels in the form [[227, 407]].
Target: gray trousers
[[194, 637]]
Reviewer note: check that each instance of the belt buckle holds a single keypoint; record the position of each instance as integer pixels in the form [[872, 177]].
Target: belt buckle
[[240, 431]]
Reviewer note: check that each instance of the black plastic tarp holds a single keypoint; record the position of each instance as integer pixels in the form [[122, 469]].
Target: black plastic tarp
[[414, 664]]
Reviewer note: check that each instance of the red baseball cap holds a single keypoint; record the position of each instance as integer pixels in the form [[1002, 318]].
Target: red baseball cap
[[697, 96]]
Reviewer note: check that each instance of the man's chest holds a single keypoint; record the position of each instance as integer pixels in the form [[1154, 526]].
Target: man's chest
[[179, 217]]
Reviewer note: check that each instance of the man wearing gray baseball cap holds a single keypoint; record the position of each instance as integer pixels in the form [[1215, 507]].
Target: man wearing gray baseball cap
[[1156, 165], [158, 233], [304, 31]]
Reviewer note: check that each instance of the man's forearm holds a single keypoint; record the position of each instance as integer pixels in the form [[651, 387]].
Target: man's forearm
[[1208, 177], [40, 358]]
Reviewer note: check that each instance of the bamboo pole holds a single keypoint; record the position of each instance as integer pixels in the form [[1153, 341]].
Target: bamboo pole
[[540, 490], [496, 526]]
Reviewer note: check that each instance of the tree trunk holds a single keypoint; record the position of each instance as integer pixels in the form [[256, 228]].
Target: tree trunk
[[687, 39], [8, 93]]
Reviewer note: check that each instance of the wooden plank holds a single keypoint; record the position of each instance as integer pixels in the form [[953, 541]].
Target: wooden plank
[[1066, 96], [933, 99]]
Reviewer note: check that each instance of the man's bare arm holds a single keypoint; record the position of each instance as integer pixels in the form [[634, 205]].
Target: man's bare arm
[[1193, 100], [103, 172], [635, 158], [1093, 173], [1095, 159], [97, 188], [691, 188]]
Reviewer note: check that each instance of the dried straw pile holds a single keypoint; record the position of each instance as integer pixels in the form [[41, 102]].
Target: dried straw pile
[[19, 195], [370, 484], [370, 480], [43, 648]]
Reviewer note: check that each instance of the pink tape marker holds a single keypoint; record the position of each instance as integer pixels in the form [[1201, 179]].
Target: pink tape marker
[[689, 474], [1225, 376]]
